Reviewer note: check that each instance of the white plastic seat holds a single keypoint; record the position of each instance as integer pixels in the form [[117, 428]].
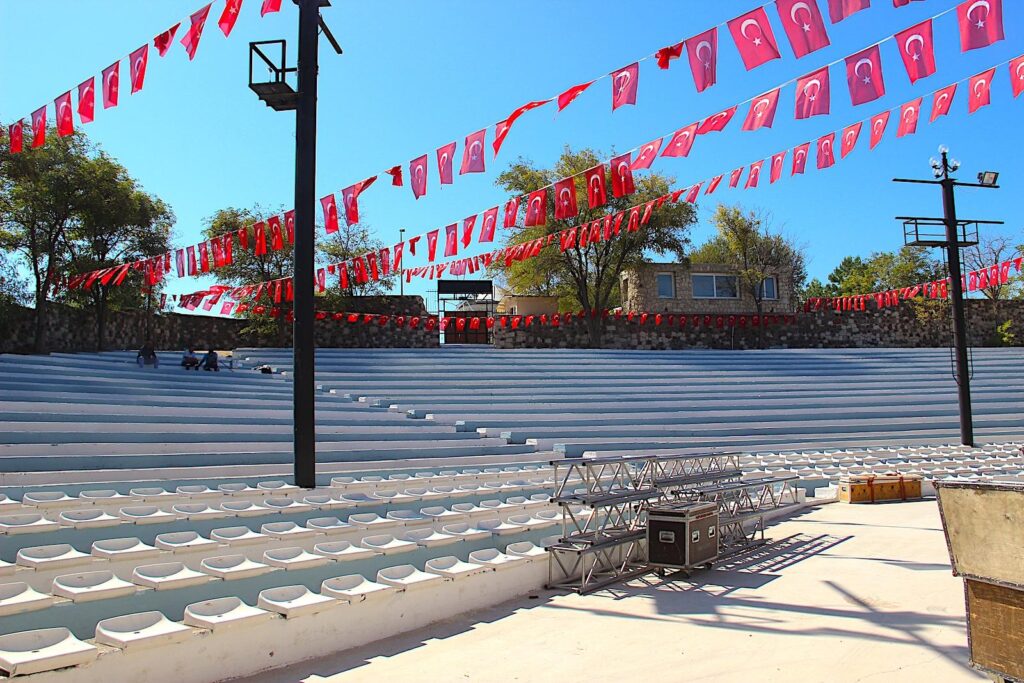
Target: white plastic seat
[[88, 586], [492, 557], [528, 522], [453, 568], [236, 488], [152, 493], [140, 630], [519, 501], [541, 497], [469, 509], [286, 530], [51, 556], [29, 523], [145, 514], [7, 502], [183, 542], [276, 486], [328, 525], [224, 613], [286, 505], [343, 550], [48, 499], [343, 482], [19, 597], [421, 493], [294, 558], [197, 491], [498, 527], [237, 535], [293, 601], [495, 505], [409, 518], [443, 491], [407, 577], [324, 502], [31, 652], [354, 588], [167, 576], [387, 544], [438, 513], [231, 567], [428, 538], [392, 496], [358, 499], [371, 520], [465, 532], [197, 511], [102, 496], [527, 550], [243, 508]]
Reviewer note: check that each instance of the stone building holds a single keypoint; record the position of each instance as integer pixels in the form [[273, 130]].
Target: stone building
[[698, 288]]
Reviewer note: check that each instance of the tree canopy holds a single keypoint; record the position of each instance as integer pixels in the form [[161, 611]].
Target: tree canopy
[[882, 271]]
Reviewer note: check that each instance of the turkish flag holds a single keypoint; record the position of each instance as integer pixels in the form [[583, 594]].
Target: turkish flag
[[229, 16], [754, 38], [850, 136], [137, 67], [942, 100], [191, 38], [980, 90], [717, 122], [681, 142], [289, 226], [396, 261], [840, 9], [350, 199], [734, 177], [702, 51], [537, 208], [445, 156], [800, 153], [864, 76], [691, 196], [269, 7], [567, 97], [622, 176], [192, 269], [432, 244], [812, 94], [981, 23], [473, 153], [803, 24], [667, 54], [412, 244], [226, 249], [330, 208], [259, 233], [762, 111], [418, 176], [488, 226], [39, 127], [111, 76], [502, 128], [162, 42], [87, 99], [754, 175], [777, 162], [451, 239], [179, 260], [396, 175], [64, 115], [647, 155], [909, 114], [565, 199], [917, 48], [597, 194], [713, 184], [1017, 75], [467, 230], [16, 135], [878, 124], [826, 150], [511, 212], [624, 83], [204, 257]]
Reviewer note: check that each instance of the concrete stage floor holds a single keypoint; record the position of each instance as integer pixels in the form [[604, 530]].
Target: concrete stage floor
[[842, 593]]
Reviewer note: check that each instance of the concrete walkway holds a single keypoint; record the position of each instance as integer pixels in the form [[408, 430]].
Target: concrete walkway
[[844, 593]]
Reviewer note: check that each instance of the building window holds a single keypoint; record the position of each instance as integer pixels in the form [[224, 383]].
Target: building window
[[666, 286], [769, 289], [715, 287], [624, 290]]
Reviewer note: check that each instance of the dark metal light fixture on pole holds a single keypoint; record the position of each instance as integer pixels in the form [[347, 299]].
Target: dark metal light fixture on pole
[[952, 238]]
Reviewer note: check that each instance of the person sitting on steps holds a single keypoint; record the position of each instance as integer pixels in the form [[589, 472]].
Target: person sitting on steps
[[190, 361], [210, 361], [147, 356]]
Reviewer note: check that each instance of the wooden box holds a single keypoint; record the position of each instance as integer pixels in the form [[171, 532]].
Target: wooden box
[[870, 488]]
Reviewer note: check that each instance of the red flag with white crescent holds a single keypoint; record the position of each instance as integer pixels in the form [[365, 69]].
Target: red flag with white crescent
[[537, 208], [909, 115], [754, 175], [803, 24], [981, 23], [229, 16], [812, 94], [445, 161], [39, 127], [350, 199], [137, 67], [269, 7], [778, 160], [87, 99], [396, 175], [667, 54], [511, 212], [259, 233], [826, 150], [396, 261], [111, 76], [567, 97], [878, 124], [330, 208], [502, 128], [917, 48], [565, 199], [1017, 75], [702, 51], [762, 111], [412, 241], [490, 222], [713, 184], [980, 90], [597, 193], [850, 136], [418, 176], [942, 100], [800, 153], [16, 135], [467, 230], [65, 117], [681, 142], [162, 42], [473, 153], [432, 244], [864, 76], [840, 9], [624, 84], [622, 176], [289, 225], [754, 38], [647, 155], [717, 122], [190, 41], [734, 177], [694, 192], [451, 239]]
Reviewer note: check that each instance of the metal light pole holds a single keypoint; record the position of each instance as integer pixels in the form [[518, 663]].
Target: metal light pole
[[953, 237], [401, 280]]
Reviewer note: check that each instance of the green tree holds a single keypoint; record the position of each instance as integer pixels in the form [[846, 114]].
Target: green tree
[[989, 252], [349, 241], [13, 288], [883, 271], [587, 277]]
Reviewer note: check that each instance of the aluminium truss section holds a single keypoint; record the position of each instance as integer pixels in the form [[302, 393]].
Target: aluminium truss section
[[587, 567], [596, 519], [596, 476], [674, 470]]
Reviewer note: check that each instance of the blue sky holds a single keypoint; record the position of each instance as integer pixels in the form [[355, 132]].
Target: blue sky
[[418, 74]]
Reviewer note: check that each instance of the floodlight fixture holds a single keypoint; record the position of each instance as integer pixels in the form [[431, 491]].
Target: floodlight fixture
[[988, 178]]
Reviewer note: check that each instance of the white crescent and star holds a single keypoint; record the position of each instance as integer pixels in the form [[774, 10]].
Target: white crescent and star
[[625, 77], [756, 40], [623, 169], [916, 38], [976, 5], [112, 81], [565, 192], [800, 156], [474, 149], [910, 113], [871, 69], [796, 20], [941, 100], [983, 83], [758, 113], [682, 138], [706, 62]]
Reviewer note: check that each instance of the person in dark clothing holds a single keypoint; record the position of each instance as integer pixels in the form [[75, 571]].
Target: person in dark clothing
[[190, 361], [147, 356], [210, 361]]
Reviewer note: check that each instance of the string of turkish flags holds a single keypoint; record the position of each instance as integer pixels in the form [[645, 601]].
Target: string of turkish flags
[[110, 78], [983, 278]]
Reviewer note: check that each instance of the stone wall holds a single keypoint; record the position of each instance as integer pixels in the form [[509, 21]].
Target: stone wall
[[71, 329], [910, 325]]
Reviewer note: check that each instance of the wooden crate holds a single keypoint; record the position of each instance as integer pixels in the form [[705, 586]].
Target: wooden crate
[[869, 488], [995, 628]]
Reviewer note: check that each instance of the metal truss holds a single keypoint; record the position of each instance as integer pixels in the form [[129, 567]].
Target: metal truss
[[587, 568]]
